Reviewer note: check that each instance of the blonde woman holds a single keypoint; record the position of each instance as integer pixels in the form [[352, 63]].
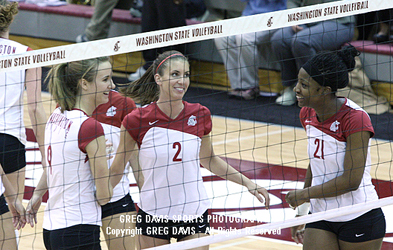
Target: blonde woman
[[77, 174]]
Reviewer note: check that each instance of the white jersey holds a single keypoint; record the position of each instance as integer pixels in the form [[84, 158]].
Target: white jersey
[[71, 186], [326, 150], [12, 85], [110, 115], [169, 157]]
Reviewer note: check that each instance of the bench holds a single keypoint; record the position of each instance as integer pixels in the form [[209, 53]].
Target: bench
[[377, 63]]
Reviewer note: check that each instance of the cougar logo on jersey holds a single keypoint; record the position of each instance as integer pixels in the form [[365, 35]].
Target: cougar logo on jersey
[[192, 121], [334, 126], [111, 111]]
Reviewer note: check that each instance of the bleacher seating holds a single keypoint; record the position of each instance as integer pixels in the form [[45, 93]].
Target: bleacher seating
[[49, 23]]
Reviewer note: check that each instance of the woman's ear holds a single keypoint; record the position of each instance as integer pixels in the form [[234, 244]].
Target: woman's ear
[[327, 90], [157, 78], [84, 84]]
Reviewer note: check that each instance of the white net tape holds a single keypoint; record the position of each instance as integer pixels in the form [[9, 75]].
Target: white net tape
[[235, 234]]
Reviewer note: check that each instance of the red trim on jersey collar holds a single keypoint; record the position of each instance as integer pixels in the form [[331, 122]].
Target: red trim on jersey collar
[[333, 117], [170, 119]]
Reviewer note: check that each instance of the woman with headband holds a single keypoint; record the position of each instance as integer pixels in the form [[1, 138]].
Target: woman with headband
[[338, 174], [173, 137]]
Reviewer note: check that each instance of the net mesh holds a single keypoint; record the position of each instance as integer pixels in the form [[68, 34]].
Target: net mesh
[[260, 139]]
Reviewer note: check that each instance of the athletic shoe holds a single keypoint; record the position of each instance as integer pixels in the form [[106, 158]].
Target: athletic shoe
[[288, 97], [233, 93], [81, 38], [138, 73], [247, 94]]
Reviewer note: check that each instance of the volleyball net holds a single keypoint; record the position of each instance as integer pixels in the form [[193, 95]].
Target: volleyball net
[[261, 139]]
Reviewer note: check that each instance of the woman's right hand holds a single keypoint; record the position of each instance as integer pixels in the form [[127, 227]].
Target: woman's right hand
[[297, 28], [297, 233], [32, 209], [260, 193]]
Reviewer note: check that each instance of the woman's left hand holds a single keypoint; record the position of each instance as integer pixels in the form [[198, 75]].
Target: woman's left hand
[[18, 215], [295, 198], [258, 192]]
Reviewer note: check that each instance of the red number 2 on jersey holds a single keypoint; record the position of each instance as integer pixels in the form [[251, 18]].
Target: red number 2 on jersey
[[176, 156], [319, 151]]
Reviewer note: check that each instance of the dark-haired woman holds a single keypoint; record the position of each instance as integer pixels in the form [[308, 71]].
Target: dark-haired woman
[[338, 175], [173, 137], [293, 46]]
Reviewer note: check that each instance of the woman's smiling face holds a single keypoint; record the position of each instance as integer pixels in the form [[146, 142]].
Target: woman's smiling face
[[102, 85], [175, 79], [308, 91]]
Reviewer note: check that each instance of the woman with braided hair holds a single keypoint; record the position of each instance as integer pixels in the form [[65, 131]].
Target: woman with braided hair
[[338, 174]]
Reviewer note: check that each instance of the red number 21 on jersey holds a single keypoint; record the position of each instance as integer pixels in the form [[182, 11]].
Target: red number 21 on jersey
[[319, 151]]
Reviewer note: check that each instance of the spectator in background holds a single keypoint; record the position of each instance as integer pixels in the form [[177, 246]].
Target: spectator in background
[[195, 9], [156, 15], [294, 46], [98, 27], [385, 29], [240, 52]]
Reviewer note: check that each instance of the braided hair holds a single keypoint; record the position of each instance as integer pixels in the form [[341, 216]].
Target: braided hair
[[7, 12], [331, 68]]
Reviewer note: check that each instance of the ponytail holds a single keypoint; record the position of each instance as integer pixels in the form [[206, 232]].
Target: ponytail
[[64, 80], [145, 90], [329, 68], [63, 90]]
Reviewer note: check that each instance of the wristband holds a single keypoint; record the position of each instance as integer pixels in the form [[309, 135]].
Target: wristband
[[302, 209]]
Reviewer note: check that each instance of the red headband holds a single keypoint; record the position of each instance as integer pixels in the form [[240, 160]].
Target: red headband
[[177, 54]]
